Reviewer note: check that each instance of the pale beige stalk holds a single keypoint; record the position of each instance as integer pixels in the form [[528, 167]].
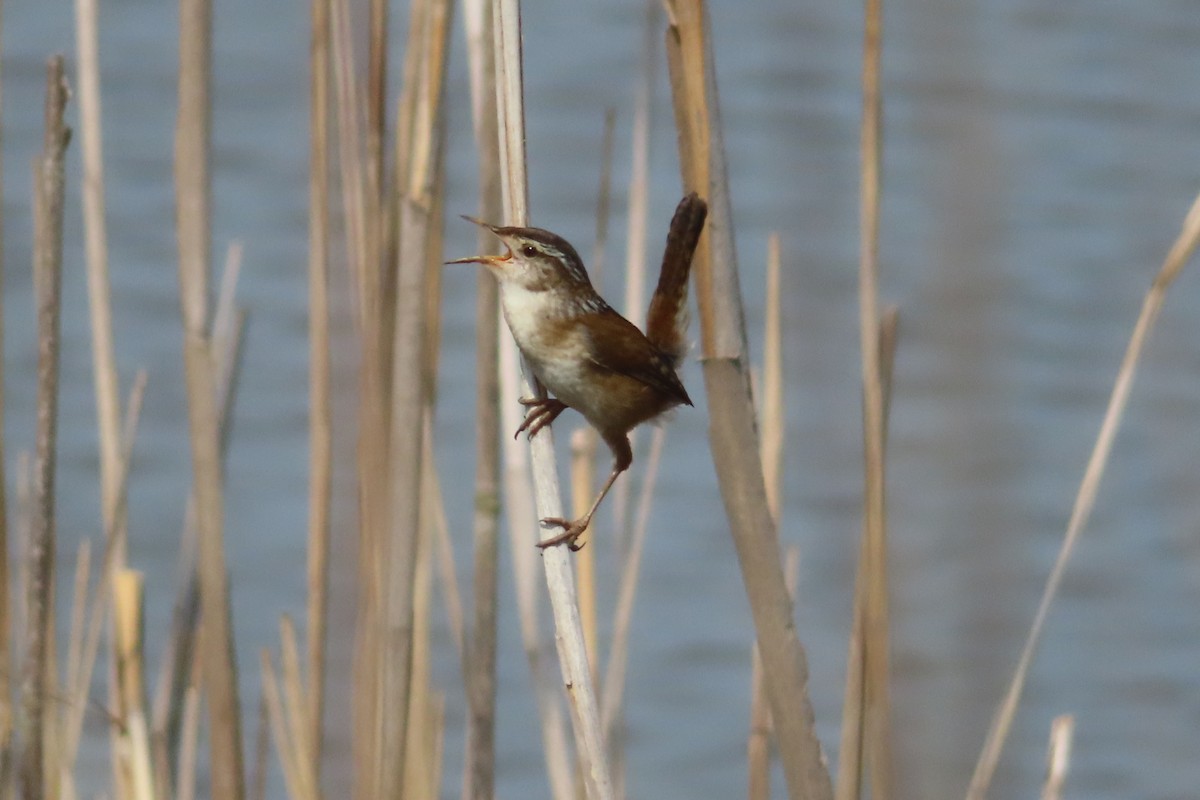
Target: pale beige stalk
[[193, 207], [732, 435], [49, 182], [572, 652], [1180, 253], [320, 430]]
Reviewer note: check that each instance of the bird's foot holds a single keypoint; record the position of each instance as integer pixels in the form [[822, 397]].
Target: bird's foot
[[542, 411], [572, 530]]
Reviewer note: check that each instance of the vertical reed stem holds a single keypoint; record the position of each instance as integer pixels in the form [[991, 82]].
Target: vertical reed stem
[[321, 409], [733, 439], [193, 208], [49, 183], [6, 654], [479, 671]]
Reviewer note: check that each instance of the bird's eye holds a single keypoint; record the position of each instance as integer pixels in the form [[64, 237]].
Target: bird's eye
[[529, 251]]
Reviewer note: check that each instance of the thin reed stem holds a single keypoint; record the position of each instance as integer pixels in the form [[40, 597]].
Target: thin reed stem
[[320, 487], [732, 435], [49, 181], [193, 208], [572, 653], [1180, 253], [479, 667]]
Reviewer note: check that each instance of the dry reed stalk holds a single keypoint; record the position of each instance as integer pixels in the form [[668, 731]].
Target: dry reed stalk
[[1058, 757], [418, 772], [295, 708], [518, 493], [853, 746], [614, 674], [292, 772], [79, 602], [584, 440], [479, 670], [128, 605], [734, 441], [360, 183], [572, 653], [408, 398], [262, 752], [320, 430], [7, 662], [96, 240], [636, 214], [193, 207], [170, 695], [877, 728], [758, 749], [351, 159], [377, 67], [49, 180], [583, 477], [189, 736], [444, 549], [84, 643], [1180, 253]]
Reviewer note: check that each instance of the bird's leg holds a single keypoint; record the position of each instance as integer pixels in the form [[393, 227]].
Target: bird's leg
[[542, 411], [572, 530]]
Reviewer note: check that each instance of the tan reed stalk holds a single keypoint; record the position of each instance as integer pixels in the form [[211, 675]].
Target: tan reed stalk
[[257, 789], [360, 181], [189, 736], [614, 674], [170, 695], [758, 749], [128, 606], [479, 666], [584, 440], [444, 553], [193, 208], [583, 478], [7, 662], [79, 601], [351, 159], [292, 773], [49, 180], [85, 649], [96, 239], [320, 423], [296, 707], [877, 729], [635, 236], [418, 772], [408, 398], [854, 747], [1058, 756], [734, 442], [485, 90], [377, 66], [1180, 253], [572, 653]]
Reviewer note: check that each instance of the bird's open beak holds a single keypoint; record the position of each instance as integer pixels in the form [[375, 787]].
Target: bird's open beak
[[489, 259]]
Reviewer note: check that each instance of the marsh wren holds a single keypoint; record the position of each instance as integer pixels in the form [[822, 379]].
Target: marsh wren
[[590, 357]]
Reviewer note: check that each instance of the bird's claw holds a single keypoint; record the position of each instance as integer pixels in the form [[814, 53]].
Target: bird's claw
[[573, 529], [542, 411]]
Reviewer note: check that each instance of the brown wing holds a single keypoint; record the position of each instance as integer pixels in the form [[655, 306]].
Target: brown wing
[[666, 321], [614, 343]]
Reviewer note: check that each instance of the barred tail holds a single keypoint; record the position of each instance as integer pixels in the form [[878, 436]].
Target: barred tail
[[666, 322]]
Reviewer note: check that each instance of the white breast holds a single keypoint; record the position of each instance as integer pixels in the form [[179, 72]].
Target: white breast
[[556, 356]]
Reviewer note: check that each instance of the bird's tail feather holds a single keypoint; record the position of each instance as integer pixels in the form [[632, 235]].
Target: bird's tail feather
[[667, 319]]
